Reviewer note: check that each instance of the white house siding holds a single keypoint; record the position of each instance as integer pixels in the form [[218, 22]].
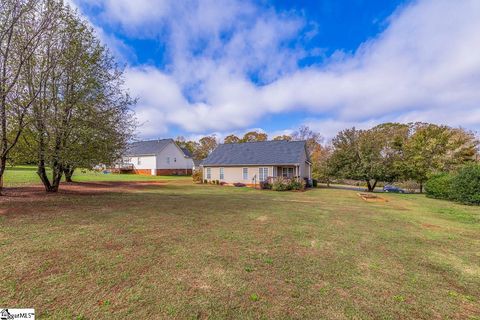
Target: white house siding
[[177, 159], [142, 163]]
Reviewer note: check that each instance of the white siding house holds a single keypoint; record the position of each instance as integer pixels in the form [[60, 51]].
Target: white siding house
[[158, 157]]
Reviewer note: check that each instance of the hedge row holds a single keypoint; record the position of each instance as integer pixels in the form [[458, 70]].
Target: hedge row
[[462, 186]]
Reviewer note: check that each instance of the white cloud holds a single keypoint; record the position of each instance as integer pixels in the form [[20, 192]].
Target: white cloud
[[425, 66]]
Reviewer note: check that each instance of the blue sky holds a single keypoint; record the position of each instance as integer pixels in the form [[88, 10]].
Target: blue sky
[[219, 67]]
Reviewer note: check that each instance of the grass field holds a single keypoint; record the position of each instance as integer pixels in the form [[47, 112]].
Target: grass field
[[27, 175], [170, 249]]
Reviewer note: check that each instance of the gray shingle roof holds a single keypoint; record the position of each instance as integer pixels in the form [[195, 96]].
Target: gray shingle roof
[[147, 147], [255, 153], [187, 152]]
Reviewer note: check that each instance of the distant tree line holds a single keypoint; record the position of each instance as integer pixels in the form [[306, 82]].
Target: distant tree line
[[62, 102], [392, 151]]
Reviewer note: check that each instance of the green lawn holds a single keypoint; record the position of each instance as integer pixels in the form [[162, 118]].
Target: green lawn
[[183, 251], [27, 175]]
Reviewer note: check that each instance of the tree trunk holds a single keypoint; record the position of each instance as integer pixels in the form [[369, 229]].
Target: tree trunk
[[42, 173], [3, 165], [2, 171], [68, 171], [57, 169], [421, 187], [56, 177], [370, 186]]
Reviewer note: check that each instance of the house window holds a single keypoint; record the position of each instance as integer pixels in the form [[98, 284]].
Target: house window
[[209, 173], [262, 174], [139, 161], [222, 174], [287, 172], [245, 173], [168, 160]]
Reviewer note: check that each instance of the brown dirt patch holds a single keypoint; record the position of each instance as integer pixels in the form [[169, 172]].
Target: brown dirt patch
[[371, 197], [430, 226], [37, 192]]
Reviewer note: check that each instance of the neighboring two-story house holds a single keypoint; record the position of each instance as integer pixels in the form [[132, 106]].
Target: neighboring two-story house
[[158, 157]]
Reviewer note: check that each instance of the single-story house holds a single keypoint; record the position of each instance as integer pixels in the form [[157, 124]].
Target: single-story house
[[158, 157], [253, 162]]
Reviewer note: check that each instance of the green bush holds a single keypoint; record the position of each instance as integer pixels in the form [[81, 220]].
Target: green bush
[[281, 184], [465, 185], [439, 186], [314, 183], [296, 185]]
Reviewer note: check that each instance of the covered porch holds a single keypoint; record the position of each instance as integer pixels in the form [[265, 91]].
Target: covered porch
[[288, 172]]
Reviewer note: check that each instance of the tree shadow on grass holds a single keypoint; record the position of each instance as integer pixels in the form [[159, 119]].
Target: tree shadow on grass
[[129, 196]]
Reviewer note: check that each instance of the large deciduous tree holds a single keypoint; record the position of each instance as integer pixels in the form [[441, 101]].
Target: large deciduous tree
[[205, 146], [368, 155], [23, 24], [81, 116], [436, 148]]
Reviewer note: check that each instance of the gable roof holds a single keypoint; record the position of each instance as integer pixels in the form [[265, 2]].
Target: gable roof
[[152, 147], [258, 153]]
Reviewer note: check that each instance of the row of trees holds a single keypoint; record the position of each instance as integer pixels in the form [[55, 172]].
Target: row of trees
[[393, 151], [62, 102]]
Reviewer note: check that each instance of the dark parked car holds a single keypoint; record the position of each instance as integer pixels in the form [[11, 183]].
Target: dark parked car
[[390, 188]]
